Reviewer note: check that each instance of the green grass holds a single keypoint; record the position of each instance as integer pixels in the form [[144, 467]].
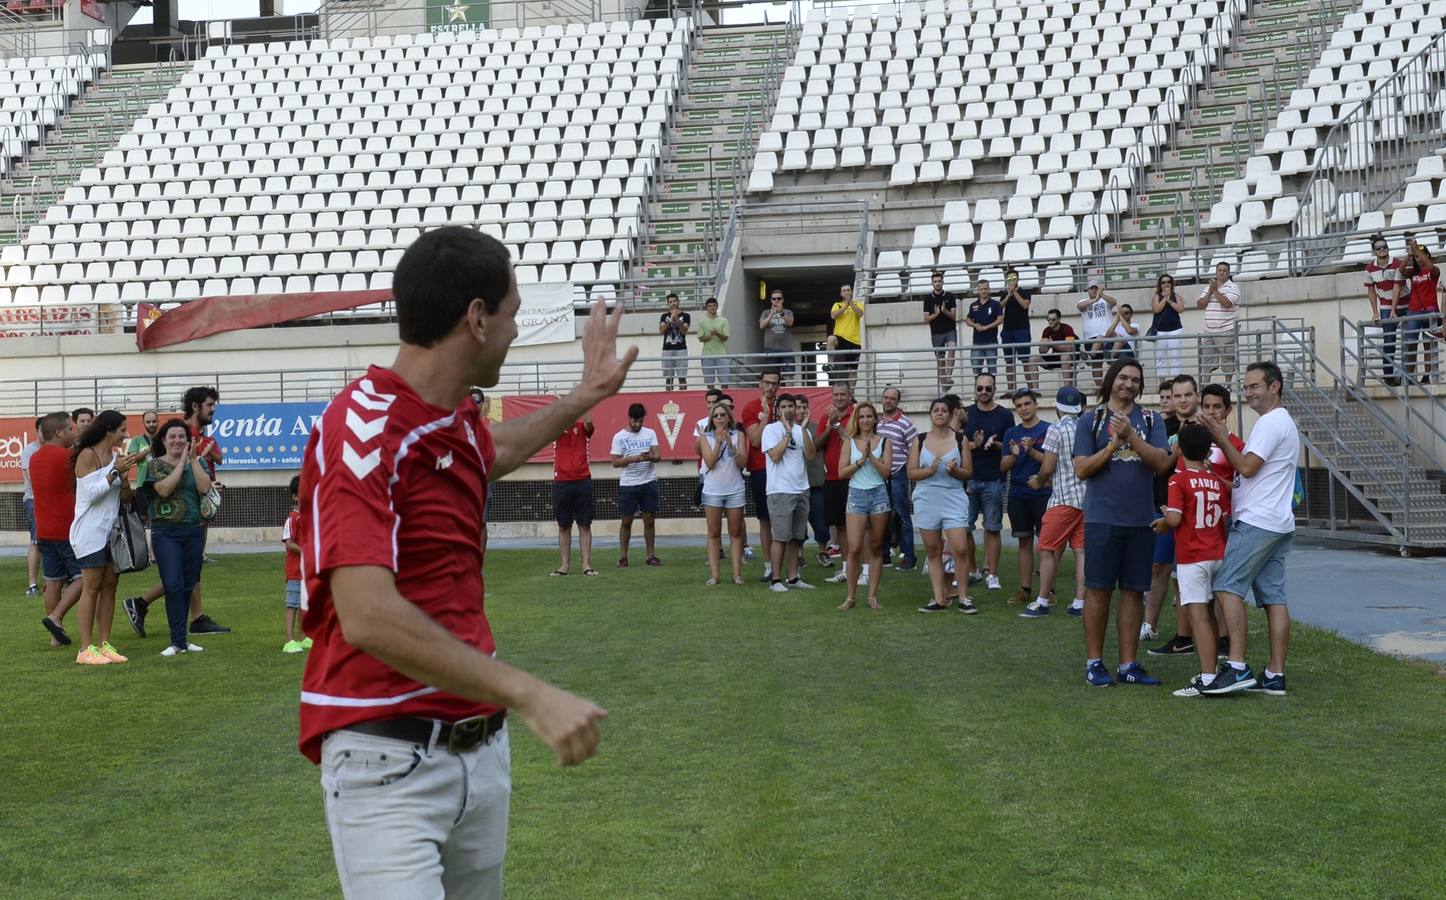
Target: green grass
[[758, 746]]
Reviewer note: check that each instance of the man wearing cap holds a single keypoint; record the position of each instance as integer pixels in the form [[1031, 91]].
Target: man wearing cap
[[1056, 349], [1023, 455], [1064, 515], [1096, 311]]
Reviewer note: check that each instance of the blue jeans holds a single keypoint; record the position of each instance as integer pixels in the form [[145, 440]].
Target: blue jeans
[[818, 515], [984, 358], [901, 534], [178, 557]]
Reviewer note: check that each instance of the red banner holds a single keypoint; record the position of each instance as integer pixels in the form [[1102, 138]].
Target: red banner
[[672, 414], [93, 9], [17, 431], [215, 315]]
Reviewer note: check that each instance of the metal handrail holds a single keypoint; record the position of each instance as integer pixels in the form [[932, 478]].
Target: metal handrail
[[1373, 168], [1373, 364]]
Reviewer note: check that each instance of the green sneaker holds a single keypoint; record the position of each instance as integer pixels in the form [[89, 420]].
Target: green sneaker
[[293, 647], [306, 643]]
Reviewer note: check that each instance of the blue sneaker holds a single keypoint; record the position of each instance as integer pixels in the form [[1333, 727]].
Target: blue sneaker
[[1134, 673], [1229, 680], [1035, 610], [1274, 685], [1076, 611], [1097, 675]]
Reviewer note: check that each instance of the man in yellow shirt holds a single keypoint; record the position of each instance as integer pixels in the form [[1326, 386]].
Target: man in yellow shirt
[[848, 316]]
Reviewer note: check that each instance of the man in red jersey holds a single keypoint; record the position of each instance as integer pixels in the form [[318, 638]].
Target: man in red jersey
[[572, 494], [404, 703], [52, 478]]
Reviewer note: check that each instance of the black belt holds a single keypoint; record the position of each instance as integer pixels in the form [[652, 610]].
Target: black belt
[[457, 737]]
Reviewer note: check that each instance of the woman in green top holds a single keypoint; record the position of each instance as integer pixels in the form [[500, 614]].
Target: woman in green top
[[176, 480], [713, 334]]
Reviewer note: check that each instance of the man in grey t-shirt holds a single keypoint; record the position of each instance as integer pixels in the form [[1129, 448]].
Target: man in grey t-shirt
[[776, 323], [32, 554]]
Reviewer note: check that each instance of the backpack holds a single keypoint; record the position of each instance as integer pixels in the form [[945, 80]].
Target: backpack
[[1099, 423]]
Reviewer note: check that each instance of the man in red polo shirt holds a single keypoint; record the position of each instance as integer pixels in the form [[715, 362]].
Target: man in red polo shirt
[[403, 700], [757, 414], [572, 494], [830, 431], [53, 481]]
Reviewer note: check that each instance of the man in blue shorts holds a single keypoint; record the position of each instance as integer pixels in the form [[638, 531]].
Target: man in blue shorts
[[1118, 449], [1262, 529]]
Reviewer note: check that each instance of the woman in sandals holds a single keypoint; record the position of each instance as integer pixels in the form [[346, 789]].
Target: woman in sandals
[[723, 447], [101, 486], [868, 512], [939, 465], [176, 480]]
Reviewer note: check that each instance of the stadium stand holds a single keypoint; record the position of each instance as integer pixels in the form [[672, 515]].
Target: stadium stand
[[34, 93], [308, 166]]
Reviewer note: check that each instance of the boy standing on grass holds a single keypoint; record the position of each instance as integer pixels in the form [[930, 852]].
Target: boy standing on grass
[[1197, 509], [293, 575]]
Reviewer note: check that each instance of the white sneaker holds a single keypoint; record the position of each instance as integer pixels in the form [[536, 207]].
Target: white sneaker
[[172, 650], [991, 581], [798, 584], [778, 587], [864, 572], [1147, 633], [748, 553], [839, 577], [193, 648]]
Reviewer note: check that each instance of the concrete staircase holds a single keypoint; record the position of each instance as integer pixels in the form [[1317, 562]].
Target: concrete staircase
[[94, 124], [1271, 58], [727, 79]]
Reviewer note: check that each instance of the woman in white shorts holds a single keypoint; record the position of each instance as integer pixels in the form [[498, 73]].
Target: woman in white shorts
[[724, 450], [867, 513], [939, 465]]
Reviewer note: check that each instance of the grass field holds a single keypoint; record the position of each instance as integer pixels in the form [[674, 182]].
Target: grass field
[[759, 745]]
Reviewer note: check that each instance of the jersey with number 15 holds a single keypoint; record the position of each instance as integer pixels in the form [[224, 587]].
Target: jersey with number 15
[[1203, 501]]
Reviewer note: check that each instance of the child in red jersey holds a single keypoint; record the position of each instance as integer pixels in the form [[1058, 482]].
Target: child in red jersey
[[293, 575], [1197, 508]]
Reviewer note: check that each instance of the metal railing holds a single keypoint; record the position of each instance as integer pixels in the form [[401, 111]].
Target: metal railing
[[1375, 353], [1368, 155]]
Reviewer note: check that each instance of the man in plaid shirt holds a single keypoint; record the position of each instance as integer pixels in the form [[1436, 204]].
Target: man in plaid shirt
[[1064, 517], [897, 427]]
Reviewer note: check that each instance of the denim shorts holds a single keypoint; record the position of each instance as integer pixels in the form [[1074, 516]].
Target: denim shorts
[[872, 501], [736, 500], [293, 593], [57, 560], [986, 497], [1254, 560], [1118, 556], [29, 507], [97, 560]]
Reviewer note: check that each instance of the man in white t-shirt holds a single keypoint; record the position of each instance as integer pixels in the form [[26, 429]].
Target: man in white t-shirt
[[1221, 302], [1096, 310], [786, 444], [635, 449], [1263, 527]]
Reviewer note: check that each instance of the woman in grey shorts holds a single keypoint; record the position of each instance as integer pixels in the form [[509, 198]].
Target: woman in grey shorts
[[868, 512], [724, 450], [939, 464]]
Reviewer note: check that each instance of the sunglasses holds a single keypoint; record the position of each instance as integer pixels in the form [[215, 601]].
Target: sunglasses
[[984, 390]]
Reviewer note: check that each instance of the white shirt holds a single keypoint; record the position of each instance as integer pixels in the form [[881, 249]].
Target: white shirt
[[97, 503], [697, 433], [1095, 319], [726, 477], [1217, 317], [1265, 499], [627, 443], [788, 475], [25, 453]]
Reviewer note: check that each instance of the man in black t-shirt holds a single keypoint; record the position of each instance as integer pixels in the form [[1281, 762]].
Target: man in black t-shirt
[[941, 311], [1015, 335], [673, 326]]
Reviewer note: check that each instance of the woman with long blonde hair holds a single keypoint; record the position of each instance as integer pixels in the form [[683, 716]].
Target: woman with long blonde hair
[[867, 513], [723, 447]]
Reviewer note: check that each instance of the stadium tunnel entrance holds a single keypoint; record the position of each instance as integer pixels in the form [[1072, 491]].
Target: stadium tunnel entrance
[[809, 291]]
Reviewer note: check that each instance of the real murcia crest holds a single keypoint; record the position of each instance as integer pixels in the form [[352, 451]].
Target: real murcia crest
[[444, 462], [671, 420]]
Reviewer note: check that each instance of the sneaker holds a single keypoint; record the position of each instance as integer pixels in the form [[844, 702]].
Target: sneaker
[[1096, 674], [204, 624], [991, 582], [622, 562], [864, 573], [193, 648], [206, 560], [834, 551], [824, 560], [1021, 596], [1134, 673], [798, 584], [839, 577], [1193, 689], [967, 607], [306, 643], [111, 653], [1076, 611], [778, 587], [975, 578], [1229, 680], [1147, 633], [292, 647], [173, 650], [748, 553], [91, 656], [933, 607], [33, 591], [56, 632], [906, 565], [136, 611], [1175, 646], [1274, 685], [1035, 610]]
